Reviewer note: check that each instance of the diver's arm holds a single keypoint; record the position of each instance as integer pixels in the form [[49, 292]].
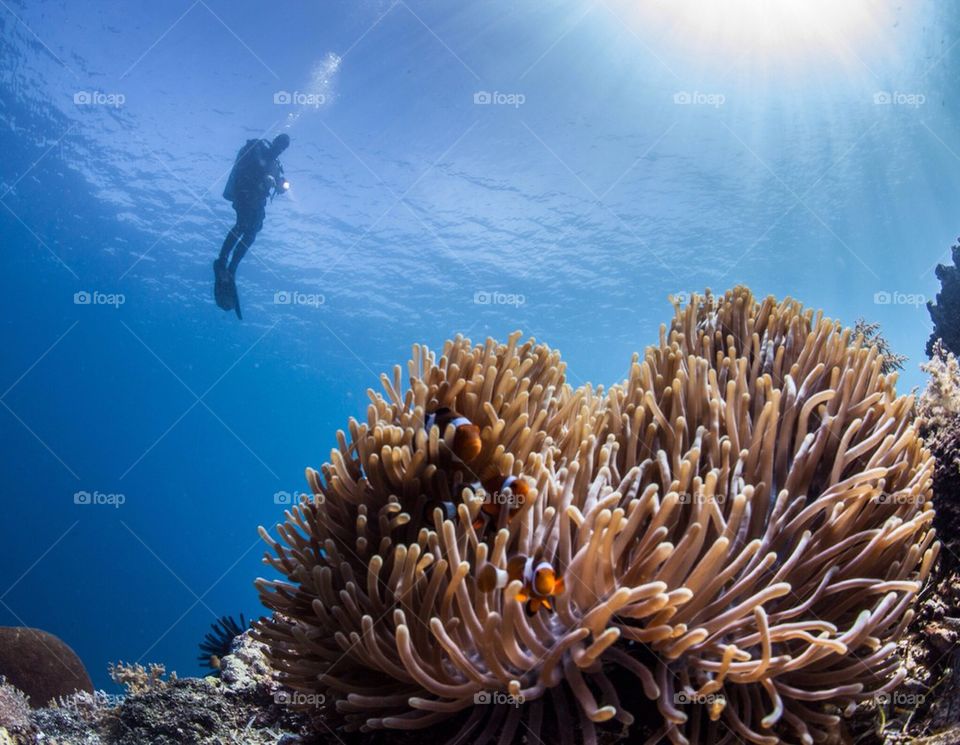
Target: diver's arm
[[277, 180]]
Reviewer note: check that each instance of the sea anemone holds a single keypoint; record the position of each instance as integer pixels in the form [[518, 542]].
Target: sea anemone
[[743, 524]]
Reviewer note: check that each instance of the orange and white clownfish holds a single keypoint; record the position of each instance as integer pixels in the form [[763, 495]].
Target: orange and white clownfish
[[540, 581], [509, 491], [448, 509], [466, 439]]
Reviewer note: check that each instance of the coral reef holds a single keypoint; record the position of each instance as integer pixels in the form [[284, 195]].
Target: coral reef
[[40, 664], [216, 643], [14, 712], [926, 709], [932, 651], [945, 313], [137, 679], [243, 706], [743, 525], [939, 414], [873, 336]]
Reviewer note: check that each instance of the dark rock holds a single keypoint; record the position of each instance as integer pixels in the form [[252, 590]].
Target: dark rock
[[940, 638], [945, 313], [40, 665]]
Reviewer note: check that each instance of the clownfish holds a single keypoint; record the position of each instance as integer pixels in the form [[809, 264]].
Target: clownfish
[[466, 439], [540, 581], [448, 509], [511, 491]]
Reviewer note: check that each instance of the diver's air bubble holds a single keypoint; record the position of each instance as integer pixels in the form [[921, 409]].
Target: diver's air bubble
[[318, 92]]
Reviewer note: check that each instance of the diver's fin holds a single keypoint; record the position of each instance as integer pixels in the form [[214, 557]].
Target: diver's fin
[[222, 284], [236, 298]]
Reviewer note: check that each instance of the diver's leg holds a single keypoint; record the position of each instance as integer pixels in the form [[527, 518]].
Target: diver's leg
[[229, 242], [246, 240]]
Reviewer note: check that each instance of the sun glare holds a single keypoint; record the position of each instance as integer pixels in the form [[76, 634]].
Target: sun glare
[[790, 29]]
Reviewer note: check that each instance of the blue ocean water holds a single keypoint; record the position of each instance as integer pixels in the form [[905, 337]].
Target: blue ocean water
[[557, 167]]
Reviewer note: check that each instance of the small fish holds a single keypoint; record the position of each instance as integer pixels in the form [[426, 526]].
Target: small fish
[[449, 509], [511, 491], [466, 439], [540, 581]]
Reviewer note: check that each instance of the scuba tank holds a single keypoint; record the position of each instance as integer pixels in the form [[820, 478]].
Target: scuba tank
[[230, 190]]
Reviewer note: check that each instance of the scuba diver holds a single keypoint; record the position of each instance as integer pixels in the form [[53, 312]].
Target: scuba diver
[[256, 174]]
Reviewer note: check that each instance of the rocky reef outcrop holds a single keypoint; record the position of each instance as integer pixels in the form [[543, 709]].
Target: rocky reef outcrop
[[243, 705], [945, 312]]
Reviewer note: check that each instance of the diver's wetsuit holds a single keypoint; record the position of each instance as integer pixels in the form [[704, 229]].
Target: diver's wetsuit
[[248, 188]]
